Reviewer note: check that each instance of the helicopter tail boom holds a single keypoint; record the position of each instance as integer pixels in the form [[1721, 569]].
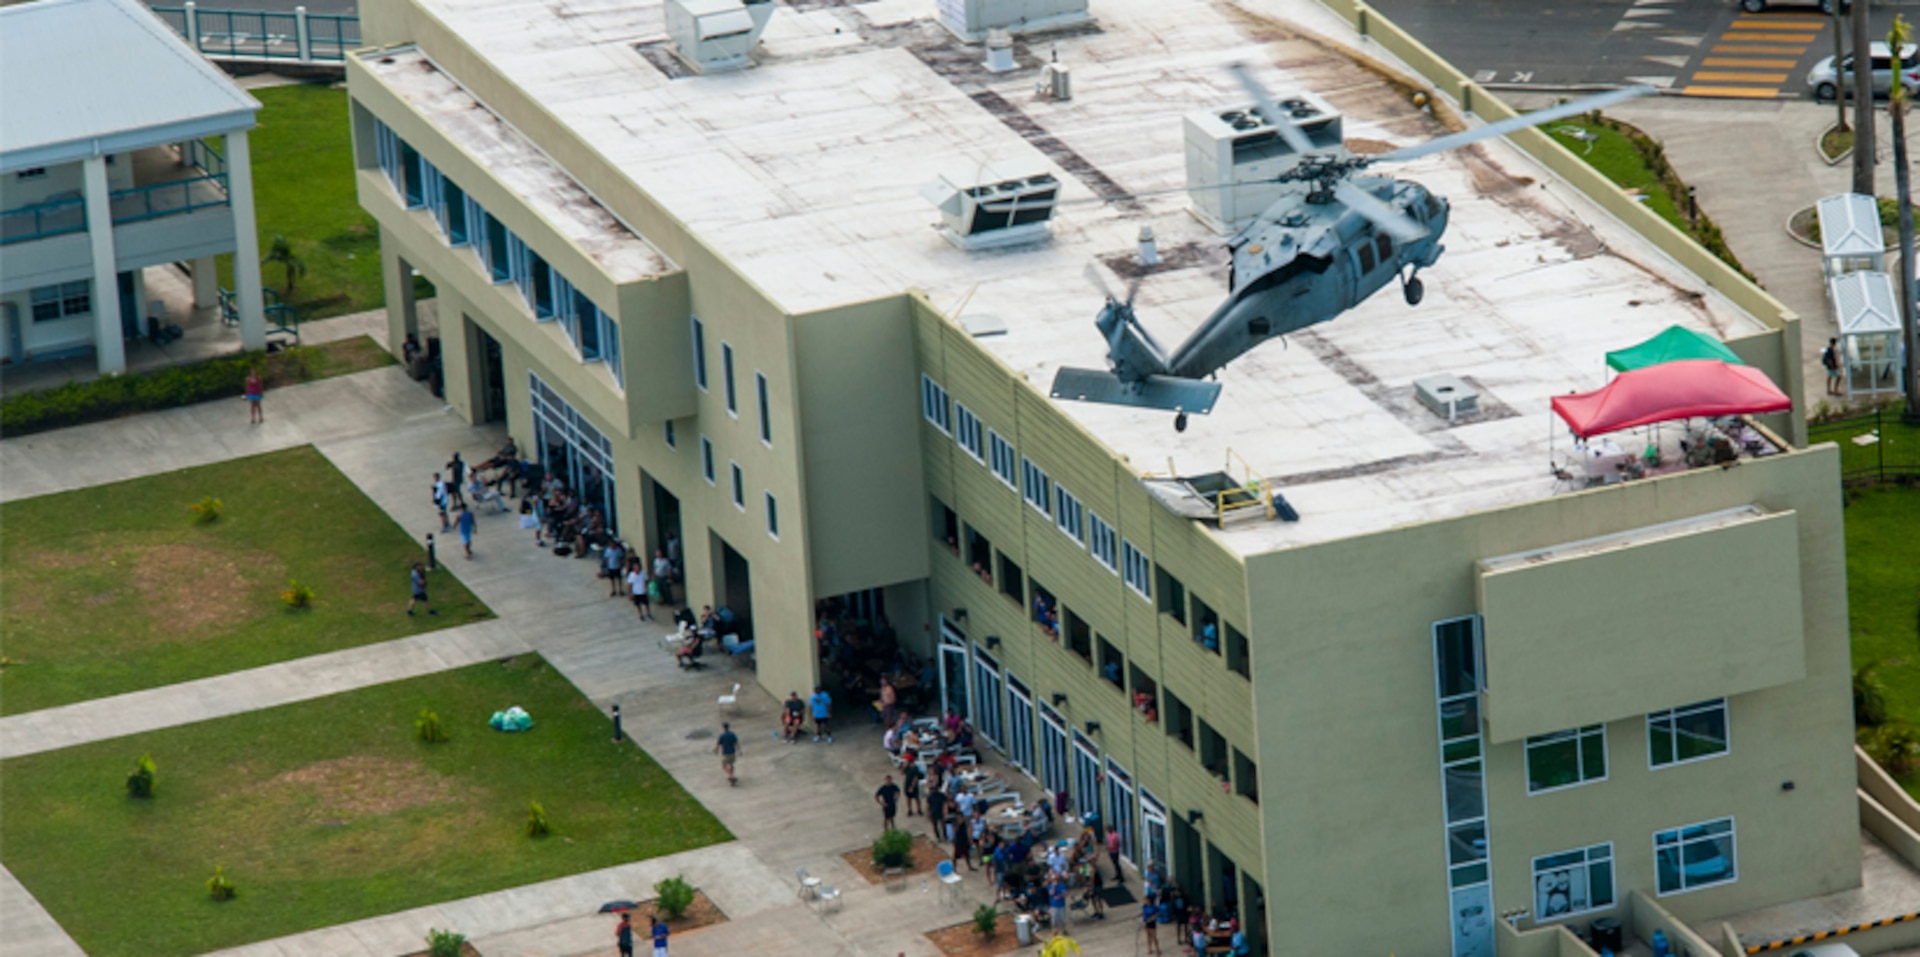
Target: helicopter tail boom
[[1168, 393]]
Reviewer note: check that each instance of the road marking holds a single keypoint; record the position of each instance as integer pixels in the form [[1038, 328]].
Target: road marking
[[1771, 37], [1729, 76], [1778, 64], [1742, 48], [1738, 92], [1677, 62], [1662, 82], [1778, 24]]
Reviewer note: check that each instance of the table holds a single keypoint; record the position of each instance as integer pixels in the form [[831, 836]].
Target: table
[[903, 681]]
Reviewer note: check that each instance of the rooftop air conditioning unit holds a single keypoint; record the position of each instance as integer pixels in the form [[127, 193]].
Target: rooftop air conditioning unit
[[972, 20], [1238, 147], [995, 206], [715, 36]]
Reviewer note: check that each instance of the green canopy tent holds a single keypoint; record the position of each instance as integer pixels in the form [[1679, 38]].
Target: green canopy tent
[[1673, 343]]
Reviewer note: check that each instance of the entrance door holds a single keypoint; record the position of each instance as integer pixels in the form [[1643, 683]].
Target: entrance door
[[1120, 808], [1019, 724], [1053, 751], [987, 706], [664, 535], [1189, 868], [493, 376], [1086, 776], [1153, 831], [953, 669], [16, 348], [734, 587], [129, 308], [572, 448]]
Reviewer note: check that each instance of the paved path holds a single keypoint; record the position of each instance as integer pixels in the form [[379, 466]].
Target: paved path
[[795, 805]]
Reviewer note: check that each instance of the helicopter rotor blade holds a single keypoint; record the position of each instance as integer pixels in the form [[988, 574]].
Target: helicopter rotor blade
[[1092, 272], [1271, 111], [1502, 128], [1390, 220]]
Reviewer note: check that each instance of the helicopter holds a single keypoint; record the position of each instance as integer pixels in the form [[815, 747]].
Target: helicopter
[[1333, 239]]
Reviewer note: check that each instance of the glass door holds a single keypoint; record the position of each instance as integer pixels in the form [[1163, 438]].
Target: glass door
[[1086, 776], [1120, 805], [1019, 724], [987, 706], [1053, 751], [953, 670], [1153, 831]]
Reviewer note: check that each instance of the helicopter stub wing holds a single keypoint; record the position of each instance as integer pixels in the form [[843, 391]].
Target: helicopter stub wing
[[1168, 393]]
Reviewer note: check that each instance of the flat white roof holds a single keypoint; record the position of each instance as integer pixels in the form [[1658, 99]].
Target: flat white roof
[[82, 78], [806, 172]]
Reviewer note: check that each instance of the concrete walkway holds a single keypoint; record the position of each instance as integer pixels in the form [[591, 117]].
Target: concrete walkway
[[795, 805]]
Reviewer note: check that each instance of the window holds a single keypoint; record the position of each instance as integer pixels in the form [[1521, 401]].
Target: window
[[35, 172], [1573, 882], [1692, 733], [966, 431], [739, 487], [773, 517], [933, 403], [583, 322], [1002, 459], [1045, 610], [386, 145], [1146, 694], [1246, 777], [1013, 582], [1137, 571], [706, 459], [1366, 258], [1079, 634], [1566, 758], [1213, 751], [766, 413], [1173, 595], [1179, 717], [412, 176], [946, 525], [1113, 665], [726, 377], [497, 251], [1696, 856], [1239, 653], [700, 358], [610, 347], [452, 210], [1036, 487], [979, 554], [1206, 626], [673, 442], [1100, 543], [1068, 515], [62, 300]]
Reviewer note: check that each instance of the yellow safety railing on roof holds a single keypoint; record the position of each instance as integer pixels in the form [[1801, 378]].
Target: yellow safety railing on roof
[[1252, 485]]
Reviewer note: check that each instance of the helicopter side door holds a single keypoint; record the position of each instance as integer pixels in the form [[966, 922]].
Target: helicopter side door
[[1374, 264]]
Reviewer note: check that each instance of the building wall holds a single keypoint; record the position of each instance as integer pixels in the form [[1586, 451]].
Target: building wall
[[1354, 825]]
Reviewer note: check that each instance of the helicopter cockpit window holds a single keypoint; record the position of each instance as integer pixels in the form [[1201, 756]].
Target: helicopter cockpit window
[[1366, 258], [1384, 245]]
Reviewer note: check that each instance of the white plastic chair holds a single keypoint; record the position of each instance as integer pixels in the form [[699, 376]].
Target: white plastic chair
[[950, 881], [809, 886], [828, 894], [731, 700]]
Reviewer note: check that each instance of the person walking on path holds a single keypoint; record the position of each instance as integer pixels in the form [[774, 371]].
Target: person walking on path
[[458, 470], [937, 812], [728, 747], [660, 933], [963, 844], [417, 577], [623, 934], [256, 390], [465, 523], [822, 715], [888, 797], [912, 775], [1113, 854], [613, 560], [440, 501], [1830, 358], [637, 585]]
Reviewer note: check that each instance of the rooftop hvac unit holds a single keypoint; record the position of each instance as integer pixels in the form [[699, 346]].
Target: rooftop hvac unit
[[1238, 147], [971, 20], [715, 36], [995, 206]]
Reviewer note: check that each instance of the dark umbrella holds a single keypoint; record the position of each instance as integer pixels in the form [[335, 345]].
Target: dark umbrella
[[617, 907]]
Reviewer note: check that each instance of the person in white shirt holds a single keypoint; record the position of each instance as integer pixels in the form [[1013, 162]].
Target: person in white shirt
[[637, 587]]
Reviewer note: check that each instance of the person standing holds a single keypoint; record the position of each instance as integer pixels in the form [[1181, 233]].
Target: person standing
[[439, 489], [660, 933], [623, 934], [1830, 358], [417, 578], [457, 469], [911, 774], [256, 390], [1113, 854], [1057, 902], [1150, 922], [465, 523], [963, 844], [937, 811], [663, 576], [728, 747], [613, 560], [822, 714], [637, 585], [888, 797], [792, 717]]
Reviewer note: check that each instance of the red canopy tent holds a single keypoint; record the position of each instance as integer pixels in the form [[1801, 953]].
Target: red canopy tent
[[1671, 390]]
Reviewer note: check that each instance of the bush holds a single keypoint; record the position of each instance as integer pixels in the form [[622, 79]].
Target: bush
[[427, 726], [1869, 696], [1894, 746], [893, 849], [207, 510], [986, 920], [537, 820], [297, 596], [672, 897], [444, 943], [140, 782], [218, 887]]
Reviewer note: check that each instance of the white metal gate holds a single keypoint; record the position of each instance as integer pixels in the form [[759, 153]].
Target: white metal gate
[[1019, 724]]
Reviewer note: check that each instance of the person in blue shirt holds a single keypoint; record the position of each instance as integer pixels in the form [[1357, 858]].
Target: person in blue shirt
[[660, 933], [1057, 902], [1150, 921], [1210, 636], [822, 714], [1240, 948], [465, 523]]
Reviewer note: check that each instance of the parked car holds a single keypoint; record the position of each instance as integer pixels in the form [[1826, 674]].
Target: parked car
[[1826, 6], [1826, 84]]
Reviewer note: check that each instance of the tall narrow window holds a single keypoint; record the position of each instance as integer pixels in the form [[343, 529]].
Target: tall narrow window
[[1003, 460], [773, 517], [700, 359], [726, 377], [1068, 515], [739, 487], [1036, 487], [766, 413], [966, 431], [666, 428], [933, 404], [706, 459], [1137, 570], [454, 217], [1100, 543]]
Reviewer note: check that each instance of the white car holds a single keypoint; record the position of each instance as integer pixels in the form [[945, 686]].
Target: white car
[[1826, 6], [1826, 84]]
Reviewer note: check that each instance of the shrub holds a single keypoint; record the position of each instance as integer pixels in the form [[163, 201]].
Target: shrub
[[207, 510], [1869, 696], [444, 943], [140, 782], [893, 849], [218, 887], [673, 896], [427, 726], [537, 820], [986, 920], [297, 596], [1894, 746]]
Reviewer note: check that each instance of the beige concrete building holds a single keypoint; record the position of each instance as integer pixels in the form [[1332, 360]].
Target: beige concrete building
[[721, 264]]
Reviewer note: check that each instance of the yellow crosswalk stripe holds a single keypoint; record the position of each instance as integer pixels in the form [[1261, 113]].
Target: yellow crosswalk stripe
[[1772, 37], [1731, 76], [1739, 48], [1778, 64], [1744, 92], [1778, 24]]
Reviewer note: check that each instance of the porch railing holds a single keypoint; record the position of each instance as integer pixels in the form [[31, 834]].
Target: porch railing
[[298, 37], [68, 214]]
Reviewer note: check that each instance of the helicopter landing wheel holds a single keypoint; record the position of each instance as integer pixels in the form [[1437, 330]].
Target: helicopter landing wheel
[[1415, 290], [1180, 422]]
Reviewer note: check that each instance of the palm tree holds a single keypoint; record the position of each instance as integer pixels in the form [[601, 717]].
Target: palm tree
[[281, 252]]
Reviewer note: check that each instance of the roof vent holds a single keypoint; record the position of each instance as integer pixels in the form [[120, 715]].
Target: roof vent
[[999, 52], [1238, 147], [1447, 395], [995, 206], [715, 36], [1055, 81], [972, 20]]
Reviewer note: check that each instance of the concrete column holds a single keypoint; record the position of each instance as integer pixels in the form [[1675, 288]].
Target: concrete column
[[246, 245], [402, 318], [206, 282], [192, 15], [302, 35], [457, 360], [107, 342]]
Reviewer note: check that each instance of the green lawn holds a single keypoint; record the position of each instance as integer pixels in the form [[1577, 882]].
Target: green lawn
[[1883, 590], [331, 810], [1898, 447], [303, 183], [1619, 160], [117, 588]]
